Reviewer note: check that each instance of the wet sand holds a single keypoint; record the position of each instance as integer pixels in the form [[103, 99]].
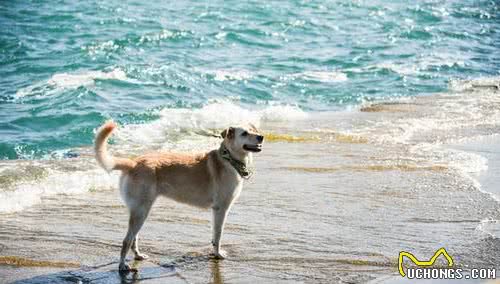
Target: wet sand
[[487, 147]]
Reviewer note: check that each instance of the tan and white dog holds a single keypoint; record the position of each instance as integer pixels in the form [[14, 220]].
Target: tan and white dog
[[210, 180]]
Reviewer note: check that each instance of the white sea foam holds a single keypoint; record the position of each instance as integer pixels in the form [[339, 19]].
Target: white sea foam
[[28, 193], [66, 80], [282, 113], [103, 47], [442, 118], [402, 69], [464, 85], [468, 164], [323, 76], [183, 128], [111, 46], [421, 130], [417, 66], [489, 227], [163, 34], [231, 75], [241, 75], [63, 81]]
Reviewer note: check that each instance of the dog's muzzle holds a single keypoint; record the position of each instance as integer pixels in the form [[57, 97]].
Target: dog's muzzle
[[253, 148]]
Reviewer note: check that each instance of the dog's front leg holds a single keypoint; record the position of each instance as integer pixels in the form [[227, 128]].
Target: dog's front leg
[[219, 218]]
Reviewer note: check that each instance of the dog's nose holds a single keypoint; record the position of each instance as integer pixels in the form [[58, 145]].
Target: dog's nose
[[260, 138]]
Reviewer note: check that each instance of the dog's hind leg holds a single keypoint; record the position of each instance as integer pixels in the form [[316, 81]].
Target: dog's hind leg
[[137, 217], [135, 249]]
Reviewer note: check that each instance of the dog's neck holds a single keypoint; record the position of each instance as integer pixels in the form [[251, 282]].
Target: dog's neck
[[239, 161], [241, 155]]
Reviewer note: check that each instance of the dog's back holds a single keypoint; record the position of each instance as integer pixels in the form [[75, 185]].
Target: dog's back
[[184, 178]]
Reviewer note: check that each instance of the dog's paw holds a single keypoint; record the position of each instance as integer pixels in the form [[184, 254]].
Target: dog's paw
[[141, 256], [124, 267], [220, 254]]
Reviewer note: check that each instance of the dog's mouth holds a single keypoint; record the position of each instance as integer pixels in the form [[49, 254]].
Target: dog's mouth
[[253, 148]]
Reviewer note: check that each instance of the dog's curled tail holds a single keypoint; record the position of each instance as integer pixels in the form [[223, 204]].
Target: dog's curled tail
[[102, 156]]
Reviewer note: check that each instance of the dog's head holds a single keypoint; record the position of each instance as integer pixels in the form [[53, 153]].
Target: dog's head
[[243, 139]]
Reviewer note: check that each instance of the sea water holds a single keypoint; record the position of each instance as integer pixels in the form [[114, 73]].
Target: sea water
[[358, 100]]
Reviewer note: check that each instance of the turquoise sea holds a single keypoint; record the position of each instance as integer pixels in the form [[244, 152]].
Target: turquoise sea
[[67, 66], [381, 122]]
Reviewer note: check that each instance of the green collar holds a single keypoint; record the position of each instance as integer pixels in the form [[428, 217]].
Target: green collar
[[239, 166]]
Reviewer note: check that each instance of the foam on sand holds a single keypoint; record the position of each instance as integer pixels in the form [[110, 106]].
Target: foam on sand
[[468, 85], [17, 193]]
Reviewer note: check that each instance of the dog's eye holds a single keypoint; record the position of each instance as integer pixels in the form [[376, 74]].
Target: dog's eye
[[244, 133]]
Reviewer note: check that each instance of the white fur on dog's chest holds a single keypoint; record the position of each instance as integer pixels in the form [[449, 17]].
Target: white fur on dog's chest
[[229, 190]]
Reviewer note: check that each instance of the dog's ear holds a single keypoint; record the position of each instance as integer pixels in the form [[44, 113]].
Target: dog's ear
[[229, 133], [253, 128], [223, 133]]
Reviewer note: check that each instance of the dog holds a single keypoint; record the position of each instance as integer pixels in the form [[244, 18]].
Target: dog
[[209, 180]]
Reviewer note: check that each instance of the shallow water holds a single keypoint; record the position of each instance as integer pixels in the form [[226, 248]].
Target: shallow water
[[319, 209], [360, 161]]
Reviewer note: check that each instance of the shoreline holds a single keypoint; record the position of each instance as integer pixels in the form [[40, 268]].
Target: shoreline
[[488, 148], [488, 180]]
